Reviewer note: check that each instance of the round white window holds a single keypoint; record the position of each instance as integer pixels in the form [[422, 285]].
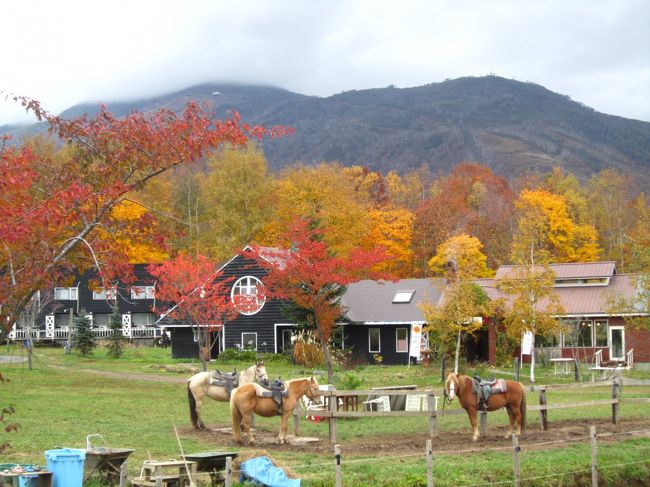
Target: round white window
[[247, 295]]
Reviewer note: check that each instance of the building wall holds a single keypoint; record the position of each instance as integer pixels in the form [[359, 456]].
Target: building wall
[[356, 339], [261, 323], [86, 302]]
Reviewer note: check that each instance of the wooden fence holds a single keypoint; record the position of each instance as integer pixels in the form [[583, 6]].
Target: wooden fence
[[335, 398]]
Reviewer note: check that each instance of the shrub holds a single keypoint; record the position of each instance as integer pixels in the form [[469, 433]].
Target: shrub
[[241, 355], [350, 382], [308, 354]]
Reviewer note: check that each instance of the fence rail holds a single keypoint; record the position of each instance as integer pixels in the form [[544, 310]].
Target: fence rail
[[335, 402]]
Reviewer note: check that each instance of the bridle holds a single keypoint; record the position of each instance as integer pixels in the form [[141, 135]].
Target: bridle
[[446, 399], [260, 376]]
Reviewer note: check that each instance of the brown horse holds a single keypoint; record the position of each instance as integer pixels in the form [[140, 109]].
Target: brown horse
[[246, 400], [513, 399], [198, 386]]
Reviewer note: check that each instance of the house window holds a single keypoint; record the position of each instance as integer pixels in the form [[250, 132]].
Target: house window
[[247, 295], [141, 319], [403, 296], [62, 319], [402, 338], [601, 333], [548, 340], [142, 292], [65, 293], [101, 319], [374, 340], [105, 294], [579, 334], [249, 341]]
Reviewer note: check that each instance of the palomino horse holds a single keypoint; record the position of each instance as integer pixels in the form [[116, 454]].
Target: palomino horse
[[513, 399], [246, 400], [198, 386]]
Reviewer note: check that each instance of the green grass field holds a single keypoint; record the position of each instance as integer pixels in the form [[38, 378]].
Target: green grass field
[[63, 399]]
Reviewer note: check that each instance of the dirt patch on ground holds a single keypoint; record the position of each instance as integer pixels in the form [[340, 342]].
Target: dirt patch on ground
[[458, 442]]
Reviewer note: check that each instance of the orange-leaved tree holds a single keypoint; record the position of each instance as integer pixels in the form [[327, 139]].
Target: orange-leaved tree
[[50, 209], [192, 289], [313, 279]]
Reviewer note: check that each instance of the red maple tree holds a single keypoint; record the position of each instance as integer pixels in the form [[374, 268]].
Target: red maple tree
[[51, 207], [313, 279], [193, 290]]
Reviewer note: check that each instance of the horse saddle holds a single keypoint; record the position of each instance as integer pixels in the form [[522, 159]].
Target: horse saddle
[[227, 380], [485, 388], [277, 390]]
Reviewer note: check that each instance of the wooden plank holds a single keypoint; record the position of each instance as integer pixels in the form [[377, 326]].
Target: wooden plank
[[635, 400], [379, 392], [597, 402]]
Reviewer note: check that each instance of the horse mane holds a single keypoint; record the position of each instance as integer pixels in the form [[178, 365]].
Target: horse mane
[[461, 383]]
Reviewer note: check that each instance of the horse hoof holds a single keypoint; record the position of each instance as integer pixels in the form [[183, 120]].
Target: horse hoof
[[474, 438]]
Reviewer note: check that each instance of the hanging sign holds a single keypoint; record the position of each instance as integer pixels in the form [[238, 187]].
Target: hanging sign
[[414, 346]]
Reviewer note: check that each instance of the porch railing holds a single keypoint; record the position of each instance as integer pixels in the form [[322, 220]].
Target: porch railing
[[63, 333]]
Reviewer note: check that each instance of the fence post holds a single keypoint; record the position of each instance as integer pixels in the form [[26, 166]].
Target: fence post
[[443, 369], [433, 415], [543, 413], [517, 365], [296, 420], [337, 458], [594, 458], [228, 472], [123, 474], [482, 423], [332, 422], [429, 464], [515, 457], [616, 405]]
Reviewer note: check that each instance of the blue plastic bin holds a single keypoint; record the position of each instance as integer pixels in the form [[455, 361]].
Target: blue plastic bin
[[67, 466], [28, 480]]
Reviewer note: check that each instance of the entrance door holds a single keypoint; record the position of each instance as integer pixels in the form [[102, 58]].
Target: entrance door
[[286, 339], [616, 342]]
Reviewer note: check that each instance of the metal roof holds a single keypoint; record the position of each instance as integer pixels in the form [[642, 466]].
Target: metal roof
[[579, 300], [372, 301], [572, 270]]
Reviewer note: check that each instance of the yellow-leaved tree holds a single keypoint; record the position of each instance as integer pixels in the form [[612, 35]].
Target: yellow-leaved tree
[[464, 252], [464, 302], [544, 217], [137, 233], [323, 195], [392, 229]]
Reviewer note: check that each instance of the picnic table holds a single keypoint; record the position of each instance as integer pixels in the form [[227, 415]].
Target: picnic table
[[563, 363]]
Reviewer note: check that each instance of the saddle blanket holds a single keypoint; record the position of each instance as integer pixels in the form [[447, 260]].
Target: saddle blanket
[[487, 388]]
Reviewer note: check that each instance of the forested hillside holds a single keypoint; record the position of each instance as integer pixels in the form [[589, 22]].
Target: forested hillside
[[510, 126]]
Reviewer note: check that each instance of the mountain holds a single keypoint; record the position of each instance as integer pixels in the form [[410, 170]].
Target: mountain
[[509, 125]]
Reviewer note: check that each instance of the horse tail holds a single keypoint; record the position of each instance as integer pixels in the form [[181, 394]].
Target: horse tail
[[235, 414], [522, 409], [193, 416]]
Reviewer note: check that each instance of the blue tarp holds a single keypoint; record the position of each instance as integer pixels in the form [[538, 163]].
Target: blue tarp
[[260, 471]]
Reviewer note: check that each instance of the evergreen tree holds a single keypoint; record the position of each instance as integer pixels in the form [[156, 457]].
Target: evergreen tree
[[116, 338], [85, 340]]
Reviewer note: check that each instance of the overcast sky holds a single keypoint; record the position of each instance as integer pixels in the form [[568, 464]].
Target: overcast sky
[[66, 52]]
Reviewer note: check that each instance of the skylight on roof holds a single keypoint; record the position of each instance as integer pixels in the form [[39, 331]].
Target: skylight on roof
[[403, 296]]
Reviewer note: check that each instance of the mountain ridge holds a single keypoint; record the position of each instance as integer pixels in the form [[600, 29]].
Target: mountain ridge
[[511, 126]]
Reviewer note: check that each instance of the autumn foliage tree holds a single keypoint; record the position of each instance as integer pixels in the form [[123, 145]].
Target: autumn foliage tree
[[463, 302], [312, 277], [50, 208], [191, 289]]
